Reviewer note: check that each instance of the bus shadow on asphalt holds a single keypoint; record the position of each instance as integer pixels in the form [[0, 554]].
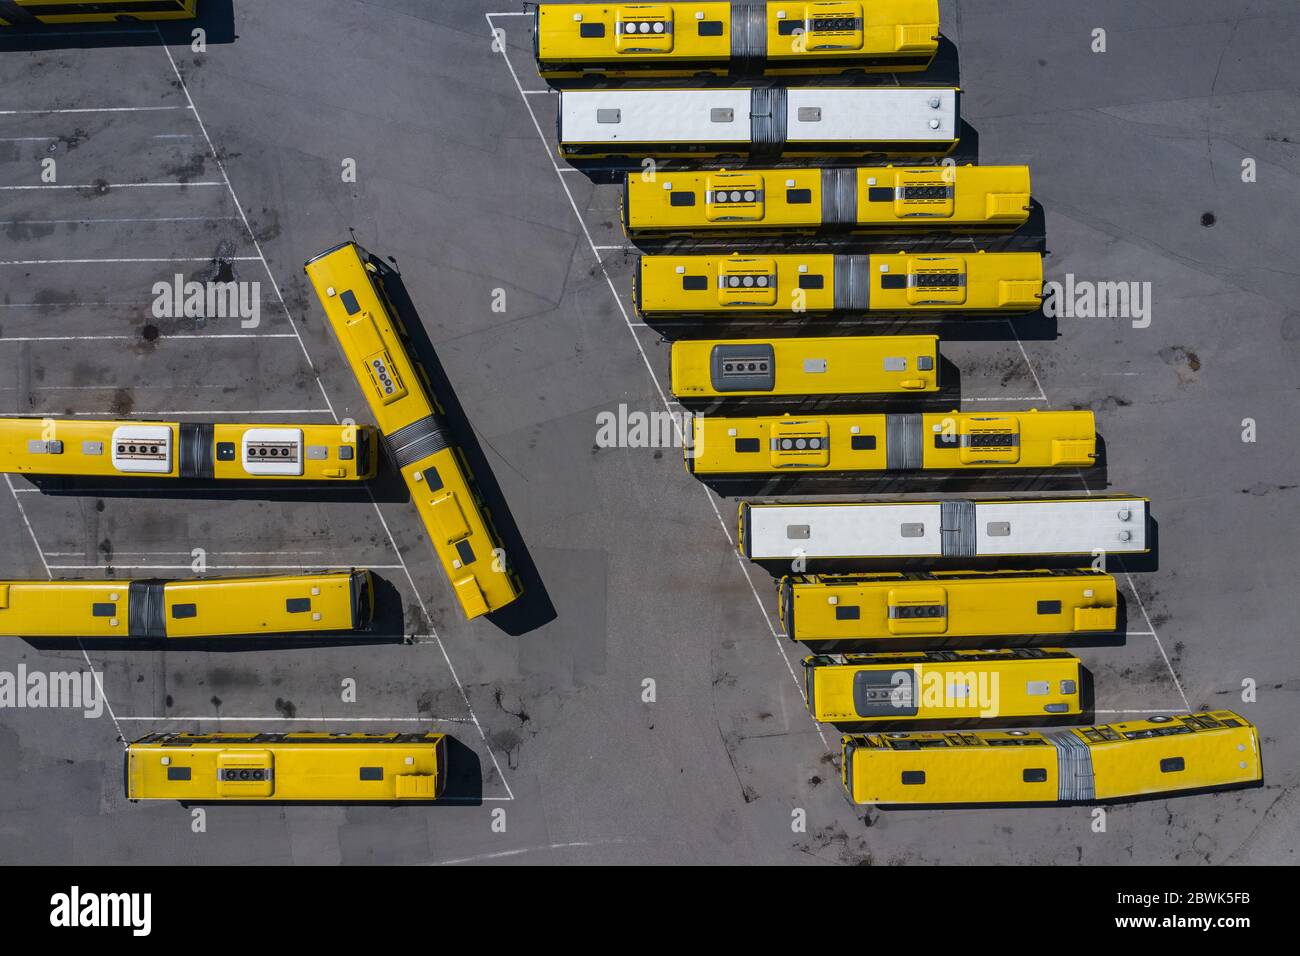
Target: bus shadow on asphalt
[[386, 486], [533, 608], [216, 18]]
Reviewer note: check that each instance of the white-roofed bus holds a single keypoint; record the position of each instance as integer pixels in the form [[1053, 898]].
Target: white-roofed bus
[[627, 126], [952, 528]]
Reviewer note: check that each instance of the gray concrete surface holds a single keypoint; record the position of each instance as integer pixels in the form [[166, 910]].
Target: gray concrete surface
[[1130, 149]]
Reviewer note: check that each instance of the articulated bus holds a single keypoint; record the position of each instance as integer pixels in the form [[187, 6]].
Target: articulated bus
[[201, 607], [718, 445], [834, 199], [792, 285], [738, 39], [848, 365], [755, 124], [939, 685], [946, 604], [203, 450], [1106, 762], [300, 767], [952, 528], [349, 282], [22, 13]]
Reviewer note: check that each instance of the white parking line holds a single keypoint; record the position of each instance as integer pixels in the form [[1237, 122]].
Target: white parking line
[[205, 411], [999, 398], [189, 566], [1159, 644], [311, 720], [112, 185], [85, 222], [95, 109], [136, 338], [92, 262]]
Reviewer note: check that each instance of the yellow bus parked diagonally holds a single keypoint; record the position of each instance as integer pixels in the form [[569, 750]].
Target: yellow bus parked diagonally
[[297, 767], [350, 284]]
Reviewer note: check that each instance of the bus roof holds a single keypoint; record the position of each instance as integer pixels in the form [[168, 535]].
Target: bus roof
[[954, 528], [813, 114]]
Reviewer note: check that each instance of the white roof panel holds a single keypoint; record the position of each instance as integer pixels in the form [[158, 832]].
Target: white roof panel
[[1061, 527], [654, 116], [905, 115], [912, 529], [843, 531]]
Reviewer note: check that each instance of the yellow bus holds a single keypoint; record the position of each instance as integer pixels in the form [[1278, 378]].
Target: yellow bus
[[833, 199], [728, 39], [790, 285], [721, 445], [22, 13], [841, 365], [943, 685], [201, 450], [952, 528], [1106, 762], [299, 767], [624, 126], [894, 605], [326, 601], [350, 284]]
